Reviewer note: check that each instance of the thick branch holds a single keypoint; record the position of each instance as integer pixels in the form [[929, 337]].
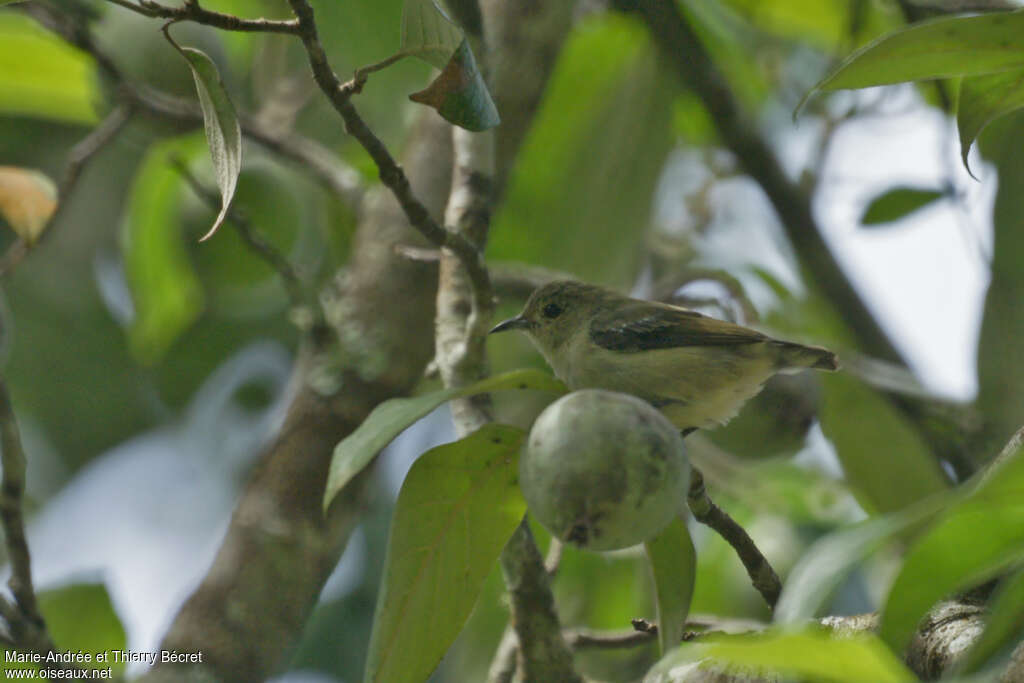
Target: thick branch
[[694, 65], [191, 11], [764, 578], [543, 655]]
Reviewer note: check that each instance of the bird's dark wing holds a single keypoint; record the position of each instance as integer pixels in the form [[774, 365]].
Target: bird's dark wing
[[643, 325]]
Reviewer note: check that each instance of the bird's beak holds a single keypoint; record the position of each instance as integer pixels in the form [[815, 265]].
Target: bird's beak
[[516, 323]]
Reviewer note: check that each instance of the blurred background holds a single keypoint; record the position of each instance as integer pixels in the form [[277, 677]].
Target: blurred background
[[146, 370]]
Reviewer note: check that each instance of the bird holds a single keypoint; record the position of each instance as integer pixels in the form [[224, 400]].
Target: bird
[[697, 370]]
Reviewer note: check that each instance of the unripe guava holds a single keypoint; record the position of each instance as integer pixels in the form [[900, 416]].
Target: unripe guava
[[604, 470]]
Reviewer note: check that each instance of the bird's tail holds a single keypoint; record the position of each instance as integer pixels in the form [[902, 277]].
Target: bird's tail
[[795, 356]]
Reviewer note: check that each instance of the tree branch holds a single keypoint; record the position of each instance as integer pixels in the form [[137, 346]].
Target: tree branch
[[587, 639], [280, 547], [391, 174], [24, 623], [764, 578], [543, 655], [192, 11], [695, 67], [687, 55]]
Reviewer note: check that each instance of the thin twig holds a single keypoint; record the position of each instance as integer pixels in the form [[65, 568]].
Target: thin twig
[[192, 11], [553, 559], [25, 625], [391, 174], [588, 639], [764, 578], [252, 239], [11, 492]]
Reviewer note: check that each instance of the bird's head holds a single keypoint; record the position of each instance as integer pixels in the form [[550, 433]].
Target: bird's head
[[555, 312]]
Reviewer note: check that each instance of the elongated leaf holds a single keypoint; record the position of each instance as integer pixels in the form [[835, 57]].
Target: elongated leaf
[[455, 512], [390, 418], [460, 95], [428, 33], [941, 48], [897, 203], [42, 75], [165, 289], [223, 134], [884, 459], [973, 542], [608, 87], [984, 98], [674, 567], [1004, 626], [809, 654], [827, 563], [27, 200]]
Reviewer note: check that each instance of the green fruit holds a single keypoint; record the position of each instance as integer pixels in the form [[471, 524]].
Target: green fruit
[[604, 470]]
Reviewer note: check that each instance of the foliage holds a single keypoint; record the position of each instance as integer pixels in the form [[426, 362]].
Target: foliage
[[596, 192]]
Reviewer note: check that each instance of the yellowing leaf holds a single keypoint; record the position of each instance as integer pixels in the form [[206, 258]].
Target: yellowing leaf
[[460, 95], [27, 201]]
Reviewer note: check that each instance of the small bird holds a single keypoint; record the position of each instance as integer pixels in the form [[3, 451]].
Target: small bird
[[697, 370]]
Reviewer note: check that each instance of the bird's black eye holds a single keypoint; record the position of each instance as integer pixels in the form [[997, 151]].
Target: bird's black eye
[[552, 311]]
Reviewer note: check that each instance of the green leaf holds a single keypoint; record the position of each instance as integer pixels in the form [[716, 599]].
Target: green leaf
[[983, 99], [457, 508], [428, 32], [578, 199], [999, 360], [43, 76], [167, 295], [27, 201], [459, 93], [897, 203], [81, 617], [812, 654], [674, 566], [1004, 626], [826, 24], [827, 563], [940, 48], [884, 459], [223, 134], [974, 541], [390, 418]]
